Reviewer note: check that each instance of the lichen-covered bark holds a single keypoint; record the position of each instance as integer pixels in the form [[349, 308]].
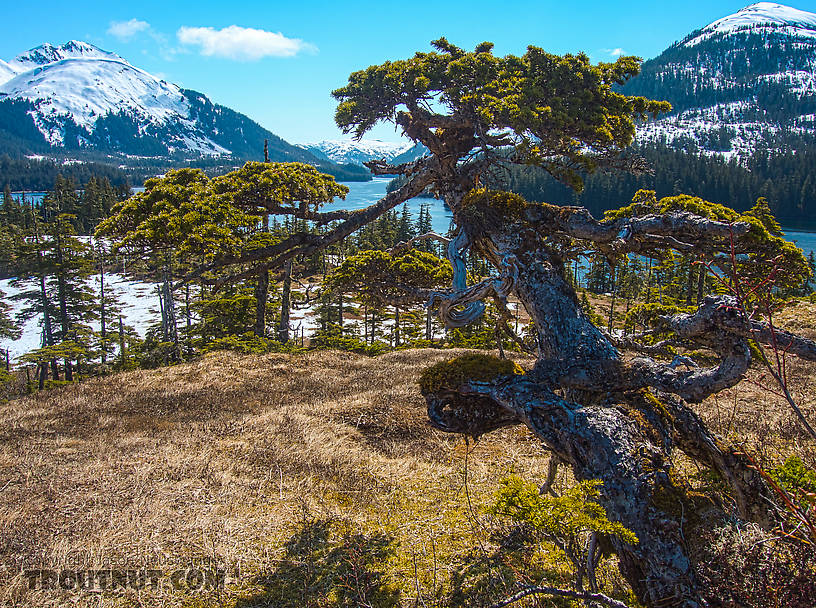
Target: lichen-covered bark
[[599, 442], [594, 411]]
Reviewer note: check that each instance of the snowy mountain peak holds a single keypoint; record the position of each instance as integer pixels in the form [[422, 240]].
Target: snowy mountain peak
[[48, 53], [81, 82], [742, 83], [761, 17], [79, 97], [357, 152]]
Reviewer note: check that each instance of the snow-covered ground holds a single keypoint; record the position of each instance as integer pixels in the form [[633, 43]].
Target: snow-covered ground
[[140, 309]]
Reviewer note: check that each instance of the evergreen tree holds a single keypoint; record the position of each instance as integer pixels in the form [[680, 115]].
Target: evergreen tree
[[405, 227], [72, 267], [261, 189], [376, 276], [63, 199], [59, 265], [9, 329], [109, 307]]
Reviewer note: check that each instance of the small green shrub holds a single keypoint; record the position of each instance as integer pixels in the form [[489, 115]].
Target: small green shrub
[[558, 518], [334, 340], [796, 478], [564, 524]]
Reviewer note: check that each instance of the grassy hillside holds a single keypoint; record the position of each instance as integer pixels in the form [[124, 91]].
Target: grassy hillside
[[313, 480]]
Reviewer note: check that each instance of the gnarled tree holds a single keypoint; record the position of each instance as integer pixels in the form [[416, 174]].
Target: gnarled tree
[[611, 418]]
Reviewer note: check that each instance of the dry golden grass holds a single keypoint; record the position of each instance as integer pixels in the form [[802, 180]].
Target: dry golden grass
[[228, 457], [255, 461]]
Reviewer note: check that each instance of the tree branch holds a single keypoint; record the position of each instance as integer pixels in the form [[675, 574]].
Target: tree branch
[[679, 229], [463, 305], [428, 236], [305, 243], [600, 598]]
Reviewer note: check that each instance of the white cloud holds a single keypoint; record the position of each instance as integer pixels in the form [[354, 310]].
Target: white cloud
[[245, 43], [125, 30], [615, 52]]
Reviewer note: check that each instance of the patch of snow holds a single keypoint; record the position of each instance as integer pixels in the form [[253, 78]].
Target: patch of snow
[[139, 303], [6, 72]]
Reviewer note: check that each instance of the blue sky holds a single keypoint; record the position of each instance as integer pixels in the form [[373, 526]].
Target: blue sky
[[281, 70]]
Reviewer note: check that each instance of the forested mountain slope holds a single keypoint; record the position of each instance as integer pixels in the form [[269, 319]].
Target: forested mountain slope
[[743, 83]]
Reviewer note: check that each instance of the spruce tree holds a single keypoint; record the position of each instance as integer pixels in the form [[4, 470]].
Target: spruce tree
[[9, 329], [72, 267]]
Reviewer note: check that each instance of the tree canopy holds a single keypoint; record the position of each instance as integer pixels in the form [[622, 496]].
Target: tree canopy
[[219, 217], [559, 112]]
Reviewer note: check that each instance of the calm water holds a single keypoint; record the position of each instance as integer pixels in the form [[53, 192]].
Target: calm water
[[362, 194], [35, 197], [804, 240]]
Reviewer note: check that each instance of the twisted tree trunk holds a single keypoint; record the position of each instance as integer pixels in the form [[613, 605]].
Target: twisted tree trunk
[[261, 296], [597, 413]]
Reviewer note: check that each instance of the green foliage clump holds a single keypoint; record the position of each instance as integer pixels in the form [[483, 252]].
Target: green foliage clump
[[5, 379], [482, 207], [565, 111], [153, 352], [249, 344], [558, 517], [566, 522], [760, 252], [380, 277], [196, 216], [273, 187], [332, 339], [66, 350], [471, 367], [794, 476]]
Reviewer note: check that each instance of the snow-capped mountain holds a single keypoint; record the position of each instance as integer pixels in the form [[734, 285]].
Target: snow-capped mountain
[[79, 97], [763, 17], [742, 83], [357, 152], [80, 83]]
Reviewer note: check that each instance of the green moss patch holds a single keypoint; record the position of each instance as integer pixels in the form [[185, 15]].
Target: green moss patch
[[472, 367]]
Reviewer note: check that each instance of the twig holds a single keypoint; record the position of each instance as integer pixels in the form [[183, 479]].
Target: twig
[[600, 598]]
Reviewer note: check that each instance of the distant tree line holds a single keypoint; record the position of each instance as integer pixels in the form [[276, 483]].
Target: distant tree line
[[41, 174], [787, 181]]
